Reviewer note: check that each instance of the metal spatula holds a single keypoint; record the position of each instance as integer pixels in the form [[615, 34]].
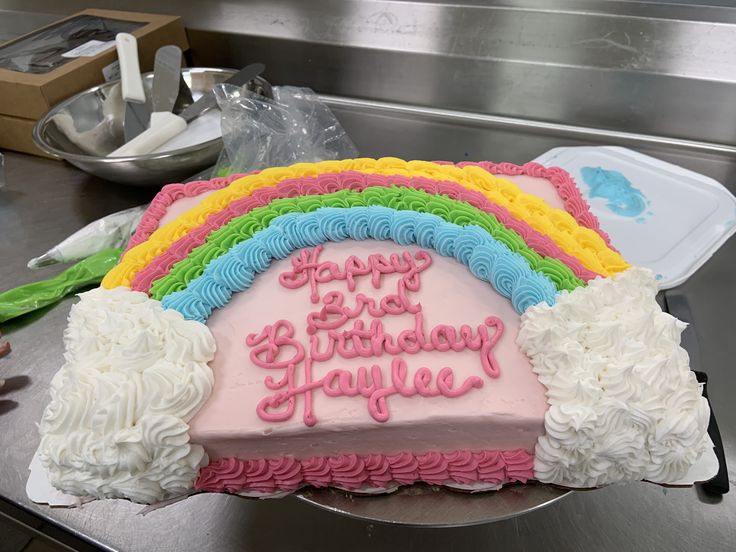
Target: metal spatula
[[166, 77]]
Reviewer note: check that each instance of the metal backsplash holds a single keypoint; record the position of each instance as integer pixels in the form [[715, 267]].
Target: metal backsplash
[[653, 68]]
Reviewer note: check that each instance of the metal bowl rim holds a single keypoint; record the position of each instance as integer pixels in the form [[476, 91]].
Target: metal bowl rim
[[61, 154]]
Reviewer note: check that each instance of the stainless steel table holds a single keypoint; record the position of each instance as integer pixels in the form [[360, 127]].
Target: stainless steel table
[[45, 200]]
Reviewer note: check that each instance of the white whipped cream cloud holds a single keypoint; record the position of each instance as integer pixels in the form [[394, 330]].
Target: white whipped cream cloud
[[134, 375], [623, 403]]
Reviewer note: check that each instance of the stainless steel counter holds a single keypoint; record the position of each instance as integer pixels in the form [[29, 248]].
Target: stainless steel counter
[[672, 77]]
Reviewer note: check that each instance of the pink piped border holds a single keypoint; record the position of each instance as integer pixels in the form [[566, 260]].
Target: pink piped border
[[166, 197], [559, 178], [365, 471], [349, 180], [563, 182]]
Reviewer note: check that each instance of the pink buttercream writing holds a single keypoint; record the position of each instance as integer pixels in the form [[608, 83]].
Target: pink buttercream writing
[[336, 329], [307, 269]]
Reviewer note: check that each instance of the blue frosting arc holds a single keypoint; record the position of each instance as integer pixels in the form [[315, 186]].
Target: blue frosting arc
[[487, 259]]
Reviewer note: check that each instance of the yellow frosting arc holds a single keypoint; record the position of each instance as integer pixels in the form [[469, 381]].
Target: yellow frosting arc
[[581, 242]]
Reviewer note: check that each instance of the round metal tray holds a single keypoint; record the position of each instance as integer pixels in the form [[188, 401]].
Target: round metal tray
[[430, 506]]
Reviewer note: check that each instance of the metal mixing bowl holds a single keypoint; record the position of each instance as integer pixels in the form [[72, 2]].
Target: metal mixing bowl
[[86, 110]]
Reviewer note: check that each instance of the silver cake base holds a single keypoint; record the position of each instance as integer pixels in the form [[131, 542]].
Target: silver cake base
[[433, 506]]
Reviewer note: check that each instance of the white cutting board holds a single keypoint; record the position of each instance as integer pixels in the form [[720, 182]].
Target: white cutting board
[[659, 215]]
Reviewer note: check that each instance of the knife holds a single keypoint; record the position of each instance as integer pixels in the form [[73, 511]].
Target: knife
[[677, 305], [137, 114], [169, 125]]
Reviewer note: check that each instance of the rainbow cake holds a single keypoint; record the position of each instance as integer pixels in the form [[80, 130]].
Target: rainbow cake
[[366, 324]]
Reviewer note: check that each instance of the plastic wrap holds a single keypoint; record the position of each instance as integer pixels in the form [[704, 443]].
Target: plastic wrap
[[294, 127]]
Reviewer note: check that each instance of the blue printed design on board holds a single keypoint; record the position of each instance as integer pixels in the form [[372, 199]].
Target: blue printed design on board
[[622, 198]]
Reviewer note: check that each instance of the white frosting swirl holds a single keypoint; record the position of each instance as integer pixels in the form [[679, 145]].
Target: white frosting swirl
[[134, 376], [623, 403]]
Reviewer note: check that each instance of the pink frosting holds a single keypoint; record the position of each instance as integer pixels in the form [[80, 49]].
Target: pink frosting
[[518, 464], [330, 182], [166, 197], [358, 471], [491, 463], [379, 470]]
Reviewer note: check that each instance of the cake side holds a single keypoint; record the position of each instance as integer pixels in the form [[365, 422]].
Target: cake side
[[483, 470]]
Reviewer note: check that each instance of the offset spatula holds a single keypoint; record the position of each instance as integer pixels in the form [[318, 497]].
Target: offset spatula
[[165, 87], [137, 115], [166, 77]]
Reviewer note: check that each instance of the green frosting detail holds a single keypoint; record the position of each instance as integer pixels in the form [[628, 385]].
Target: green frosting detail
[[400, 198]]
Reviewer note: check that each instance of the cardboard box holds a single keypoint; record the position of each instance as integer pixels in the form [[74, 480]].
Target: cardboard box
[[16, 134], [25, 97]]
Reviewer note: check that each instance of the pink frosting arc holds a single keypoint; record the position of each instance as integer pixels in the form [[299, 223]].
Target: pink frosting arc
[[166, 197], [560, 179], [573, 200], [329, 182], [356, 471]]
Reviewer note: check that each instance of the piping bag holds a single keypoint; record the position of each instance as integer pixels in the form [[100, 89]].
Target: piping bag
[[30, 297], [99, 244], [108, 232]]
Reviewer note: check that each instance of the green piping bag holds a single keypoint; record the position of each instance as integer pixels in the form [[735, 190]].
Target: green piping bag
[[30, 297]]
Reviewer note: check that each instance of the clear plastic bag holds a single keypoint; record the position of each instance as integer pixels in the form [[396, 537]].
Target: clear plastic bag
[[294, 127]]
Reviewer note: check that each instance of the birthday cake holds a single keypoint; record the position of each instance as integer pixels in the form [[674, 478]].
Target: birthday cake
[[366, 324]]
